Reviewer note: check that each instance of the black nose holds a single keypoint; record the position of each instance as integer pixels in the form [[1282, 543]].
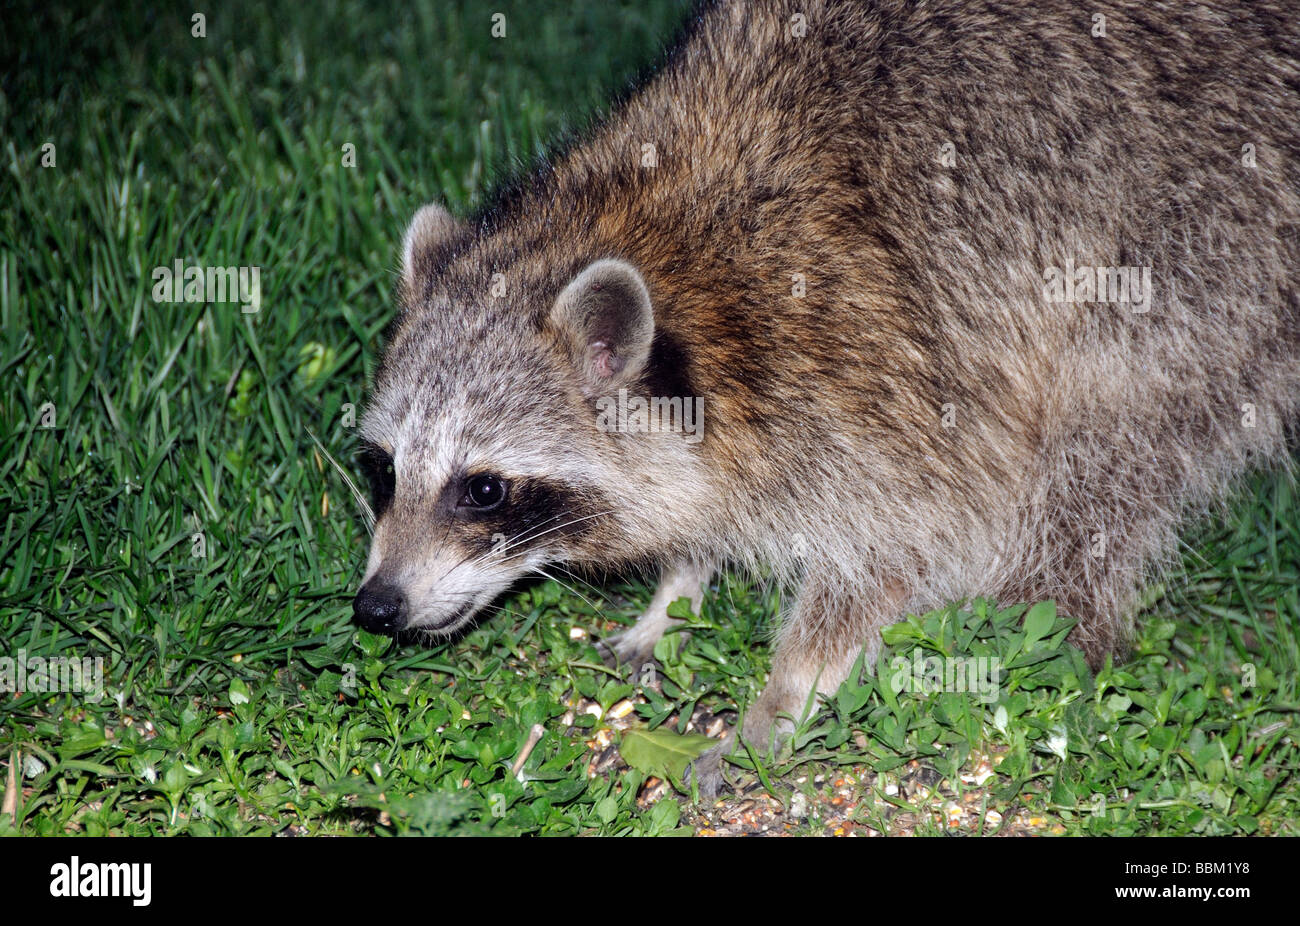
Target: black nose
[[380, 608]]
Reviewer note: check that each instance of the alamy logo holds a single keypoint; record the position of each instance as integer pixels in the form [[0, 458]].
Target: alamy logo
[[639, 415], [931, 674], [49, 674], [76, 878], [1098, 284], [179, 283]]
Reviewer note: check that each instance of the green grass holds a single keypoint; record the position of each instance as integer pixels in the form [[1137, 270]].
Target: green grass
[[240, 698]]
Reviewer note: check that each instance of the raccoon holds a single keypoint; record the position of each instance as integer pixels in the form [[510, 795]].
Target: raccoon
[[972, 297]]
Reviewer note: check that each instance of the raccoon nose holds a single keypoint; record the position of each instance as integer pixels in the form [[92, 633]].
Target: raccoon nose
[[380, 608]]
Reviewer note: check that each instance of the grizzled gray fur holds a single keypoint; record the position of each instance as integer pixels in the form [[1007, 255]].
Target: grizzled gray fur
[[974, 298]]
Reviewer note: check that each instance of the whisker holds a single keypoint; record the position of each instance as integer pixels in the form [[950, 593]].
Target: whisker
[[520, 538], [552, 530], [564, 585], [604, 595], [367, 514], [498, 556], [471, 555]]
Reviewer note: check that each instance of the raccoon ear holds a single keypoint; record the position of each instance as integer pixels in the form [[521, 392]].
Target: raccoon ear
[[605, 318], [427, 237]]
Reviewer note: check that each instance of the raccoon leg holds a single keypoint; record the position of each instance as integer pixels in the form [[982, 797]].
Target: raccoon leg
[[635, 646], [815, 651]]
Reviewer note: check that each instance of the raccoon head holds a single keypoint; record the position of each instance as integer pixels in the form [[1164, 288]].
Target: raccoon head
[[483, 452]]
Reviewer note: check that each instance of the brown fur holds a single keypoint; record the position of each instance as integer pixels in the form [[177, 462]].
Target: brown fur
[[824, 155]]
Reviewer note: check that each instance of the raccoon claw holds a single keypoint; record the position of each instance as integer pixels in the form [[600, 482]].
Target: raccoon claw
[[624, 650], [706, 772]]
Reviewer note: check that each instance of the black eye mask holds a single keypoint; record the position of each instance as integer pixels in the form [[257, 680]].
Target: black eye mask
[[377, 465]]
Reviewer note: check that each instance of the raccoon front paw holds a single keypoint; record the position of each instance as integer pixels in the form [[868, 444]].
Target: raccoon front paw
[[628, 650], [706, 772]]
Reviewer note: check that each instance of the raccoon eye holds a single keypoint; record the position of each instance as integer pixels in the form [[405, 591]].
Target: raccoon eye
[[484, 492]]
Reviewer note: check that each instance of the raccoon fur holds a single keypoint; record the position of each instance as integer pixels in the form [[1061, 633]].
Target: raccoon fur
[[977, 297]]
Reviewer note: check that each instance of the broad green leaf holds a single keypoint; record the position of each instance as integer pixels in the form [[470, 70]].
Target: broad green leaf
[[662, 752], [1039, 621]]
